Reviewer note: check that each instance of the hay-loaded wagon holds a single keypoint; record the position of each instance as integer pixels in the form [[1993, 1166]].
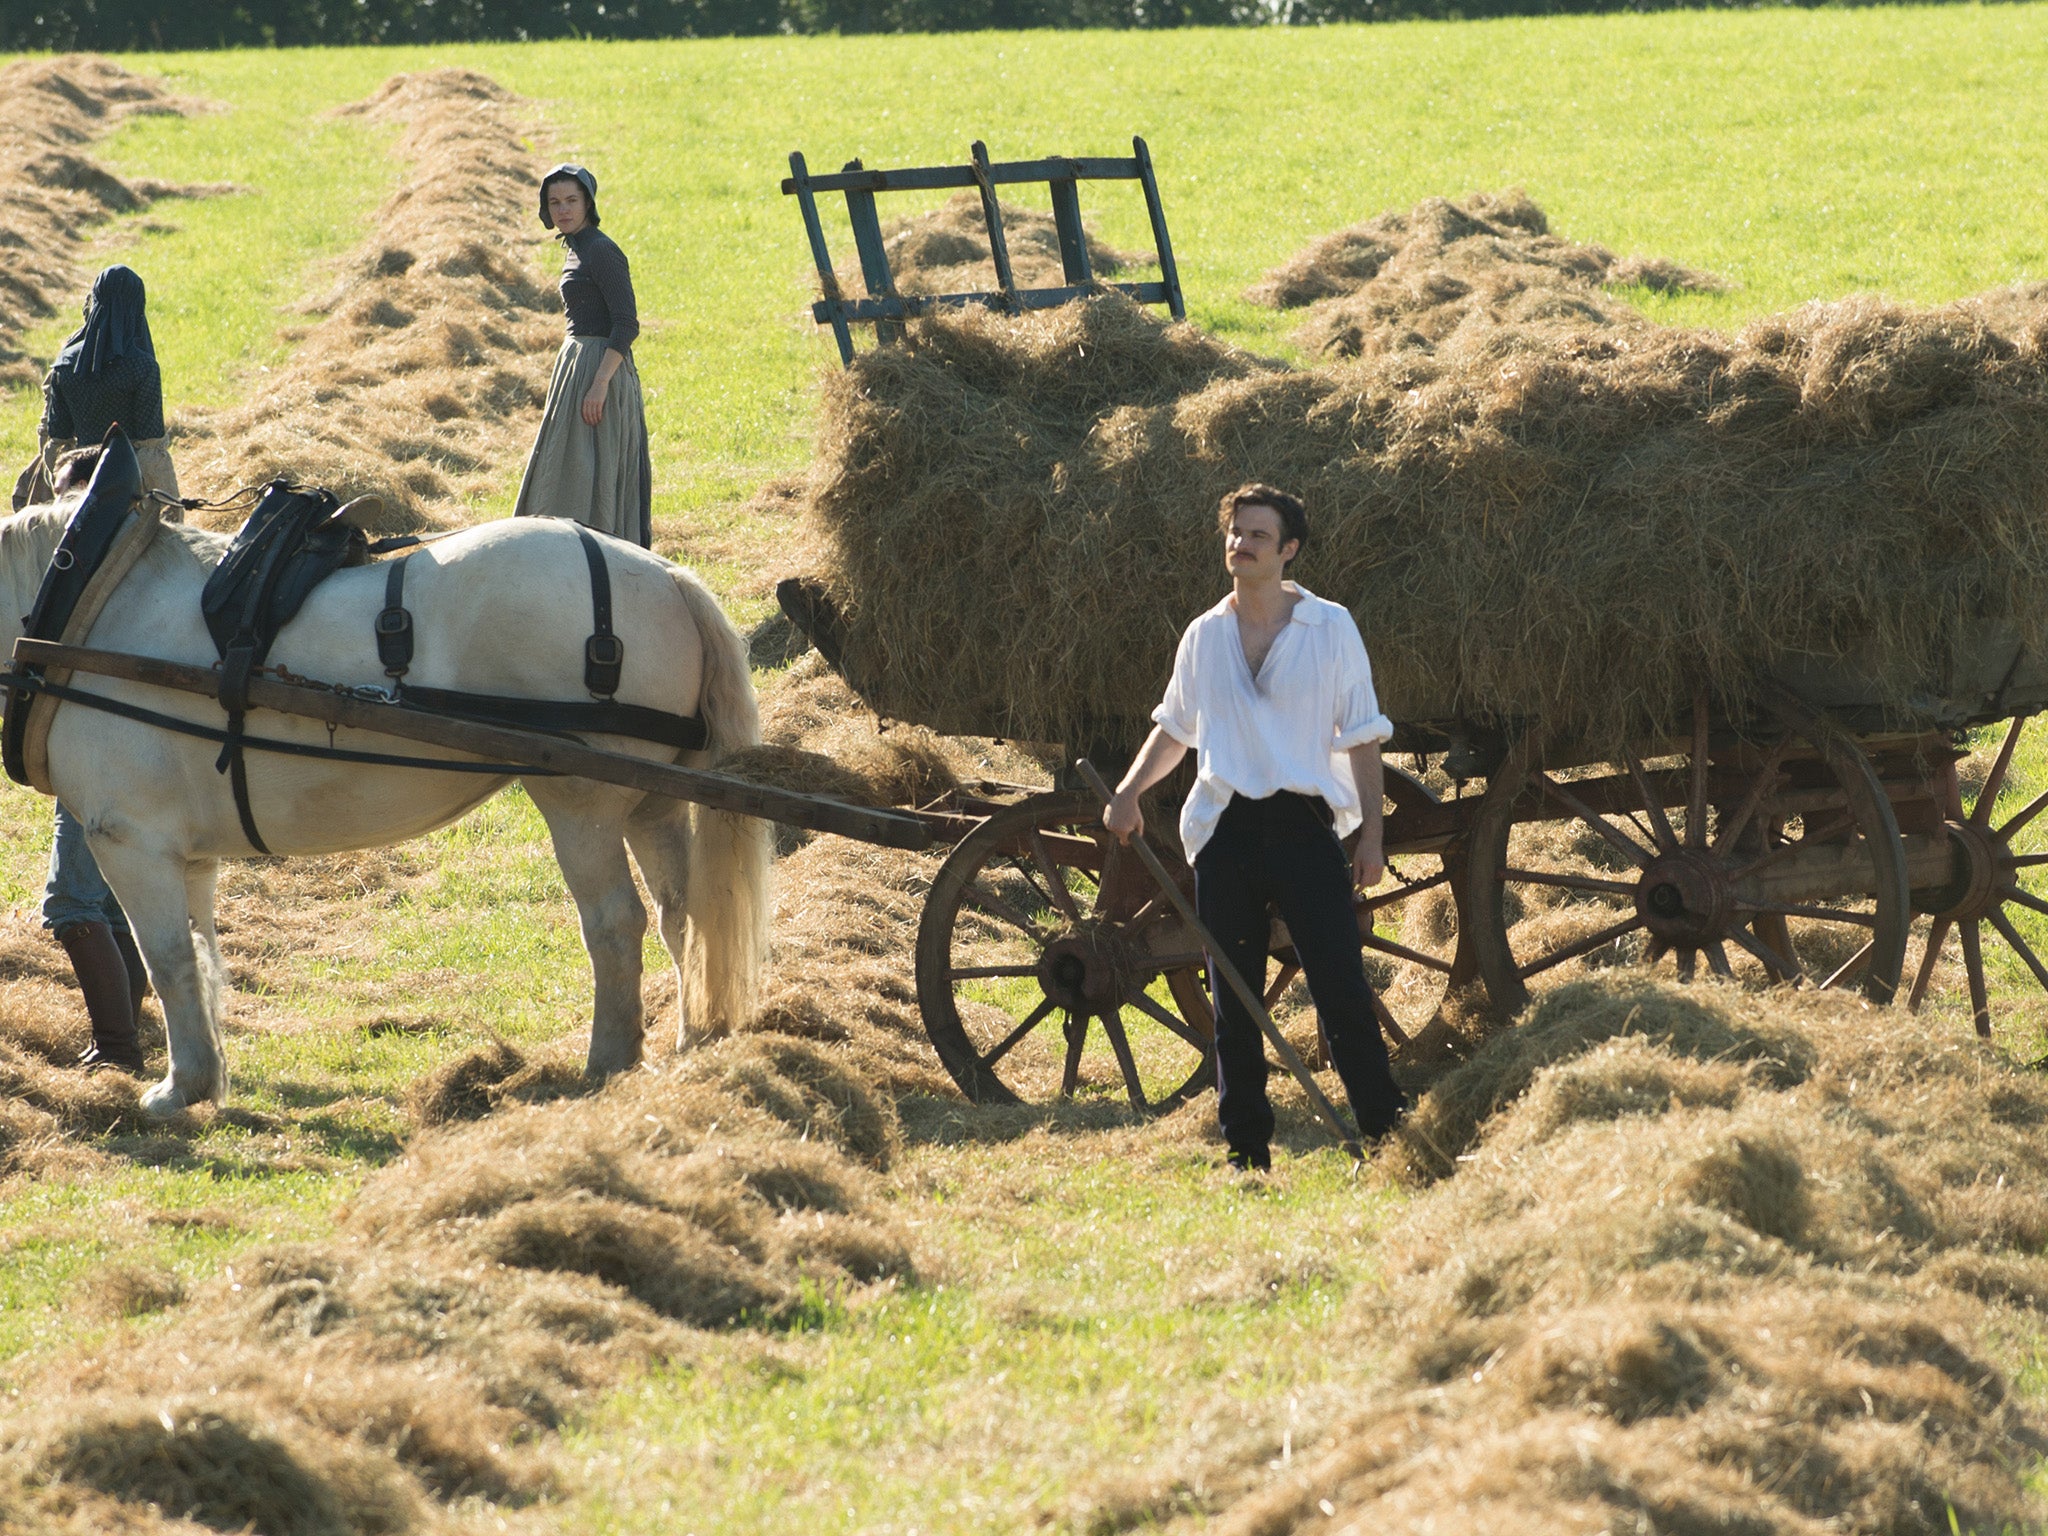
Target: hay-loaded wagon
[[1793, 844], [1790, 833]]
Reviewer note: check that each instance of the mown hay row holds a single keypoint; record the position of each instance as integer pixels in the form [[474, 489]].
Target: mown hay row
[[422, 380], [53, 192], [1702, 1262], [1540, 518], [479, 1289]]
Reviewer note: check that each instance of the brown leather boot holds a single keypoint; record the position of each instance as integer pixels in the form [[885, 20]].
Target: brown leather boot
[[103, 978]]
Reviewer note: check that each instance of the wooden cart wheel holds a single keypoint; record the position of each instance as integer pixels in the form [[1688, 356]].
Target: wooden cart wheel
[[1050, 967], [1409, 926], [1782, 860], [1993, 864]]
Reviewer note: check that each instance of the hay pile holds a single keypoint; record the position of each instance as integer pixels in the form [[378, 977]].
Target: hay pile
[[53, 192], [1704, 1265], [423, 378], [1541, 517], [478, 1290], [1411, 281], [947, 251]]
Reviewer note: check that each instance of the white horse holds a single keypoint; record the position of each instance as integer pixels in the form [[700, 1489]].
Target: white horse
[[499, 609]]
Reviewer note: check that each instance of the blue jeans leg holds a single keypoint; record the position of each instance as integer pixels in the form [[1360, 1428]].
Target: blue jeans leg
[[77, 892]]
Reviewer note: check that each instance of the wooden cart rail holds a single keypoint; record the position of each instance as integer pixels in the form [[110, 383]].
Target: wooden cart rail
[[887, 309], [547, 754]]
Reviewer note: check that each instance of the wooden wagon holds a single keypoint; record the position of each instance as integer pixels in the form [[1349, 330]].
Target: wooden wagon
[[1795, 843]]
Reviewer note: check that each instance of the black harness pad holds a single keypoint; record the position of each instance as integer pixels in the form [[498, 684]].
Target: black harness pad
[[291, 543], [94, 525]]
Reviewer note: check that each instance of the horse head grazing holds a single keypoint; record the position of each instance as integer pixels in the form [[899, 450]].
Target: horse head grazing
[[491, 614]]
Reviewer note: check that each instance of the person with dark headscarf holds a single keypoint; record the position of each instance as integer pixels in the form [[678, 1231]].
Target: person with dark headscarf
[[589, 461], [107, 373]]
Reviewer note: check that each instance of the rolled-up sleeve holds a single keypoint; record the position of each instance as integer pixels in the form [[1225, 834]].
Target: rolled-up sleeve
[[1176, 714], [1359, 720]]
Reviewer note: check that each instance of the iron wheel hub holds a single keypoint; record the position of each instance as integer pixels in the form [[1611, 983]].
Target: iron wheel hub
[[1684, 899], [1083, 972], [1981, 858]]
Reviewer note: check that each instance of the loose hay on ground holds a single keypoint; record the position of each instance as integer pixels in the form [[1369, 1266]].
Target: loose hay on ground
[[480, 1288], [1412, 281], [1704, 1262]]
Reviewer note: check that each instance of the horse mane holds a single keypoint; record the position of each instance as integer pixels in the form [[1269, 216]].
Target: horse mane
[[203, 546]]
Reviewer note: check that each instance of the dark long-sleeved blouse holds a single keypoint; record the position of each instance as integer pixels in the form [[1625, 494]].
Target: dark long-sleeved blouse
[[597, 290], [81, 406]]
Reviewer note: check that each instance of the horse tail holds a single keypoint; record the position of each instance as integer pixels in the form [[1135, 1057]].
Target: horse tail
[[730, 856]]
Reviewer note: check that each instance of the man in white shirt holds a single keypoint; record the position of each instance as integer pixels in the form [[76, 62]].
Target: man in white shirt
[[1273, 690]]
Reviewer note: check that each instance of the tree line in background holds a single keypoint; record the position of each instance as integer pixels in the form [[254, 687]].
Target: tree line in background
[[120, 25]]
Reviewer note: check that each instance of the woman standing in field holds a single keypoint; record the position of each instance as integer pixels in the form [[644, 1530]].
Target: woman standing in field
[[589, 461], [106, 373]]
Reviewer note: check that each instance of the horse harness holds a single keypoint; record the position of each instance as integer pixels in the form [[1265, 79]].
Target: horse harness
[[294, 539]]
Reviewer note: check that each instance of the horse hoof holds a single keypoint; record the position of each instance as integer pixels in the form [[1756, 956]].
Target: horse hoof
[[163, 1101], [167, 1099], [595, 1071]]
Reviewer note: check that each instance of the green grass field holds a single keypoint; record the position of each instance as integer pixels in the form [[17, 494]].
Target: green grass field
[[1802, 154], [1089, 1298]]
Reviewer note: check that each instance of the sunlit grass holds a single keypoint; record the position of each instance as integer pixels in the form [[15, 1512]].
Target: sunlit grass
[[1086, 1322], [1801, 153], [1087, 1296]]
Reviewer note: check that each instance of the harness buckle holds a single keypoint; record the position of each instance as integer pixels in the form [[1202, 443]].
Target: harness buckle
[[604, 662], [394, 640]]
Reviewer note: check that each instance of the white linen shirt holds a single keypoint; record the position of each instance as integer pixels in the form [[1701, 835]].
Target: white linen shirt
[[1288, 728]]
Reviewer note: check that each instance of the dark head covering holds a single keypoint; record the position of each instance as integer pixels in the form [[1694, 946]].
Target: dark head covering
[[582, 178], [115, 325]]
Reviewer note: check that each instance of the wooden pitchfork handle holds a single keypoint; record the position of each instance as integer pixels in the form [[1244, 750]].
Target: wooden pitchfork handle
[[1254, 1004]]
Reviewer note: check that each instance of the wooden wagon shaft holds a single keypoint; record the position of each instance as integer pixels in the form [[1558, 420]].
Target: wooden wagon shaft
[[890, 829]]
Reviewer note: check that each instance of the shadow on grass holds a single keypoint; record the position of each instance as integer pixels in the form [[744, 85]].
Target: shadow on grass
[[954, 1122]]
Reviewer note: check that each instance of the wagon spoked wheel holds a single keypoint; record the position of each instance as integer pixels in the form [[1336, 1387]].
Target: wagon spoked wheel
[[1998, 885], [1408, 927], [1049, 967], [1779, 861]]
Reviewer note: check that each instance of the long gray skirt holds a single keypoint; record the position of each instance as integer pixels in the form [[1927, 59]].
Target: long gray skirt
[[597, 475]]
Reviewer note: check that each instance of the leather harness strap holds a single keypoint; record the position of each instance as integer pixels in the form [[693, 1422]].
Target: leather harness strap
[[235, 670], [604, 654], [604, 717], [604, 661], [394, 624]]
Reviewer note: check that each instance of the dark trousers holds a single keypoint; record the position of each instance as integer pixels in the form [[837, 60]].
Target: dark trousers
[[1280, 851]]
